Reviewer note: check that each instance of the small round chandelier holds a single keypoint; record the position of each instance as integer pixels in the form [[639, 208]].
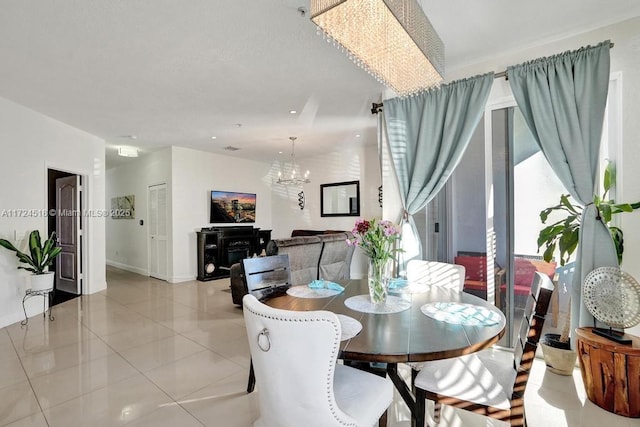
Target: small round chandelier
[[295, 177]]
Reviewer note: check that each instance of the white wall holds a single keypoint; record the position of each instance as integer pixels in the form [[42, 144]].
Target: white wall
[[126, 243], [31, 143], [194, 175], [351, 164]]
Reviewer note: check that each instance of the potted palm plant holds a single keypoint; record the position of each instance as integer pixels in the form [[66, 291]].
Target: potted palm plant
[[40, 257], [563, 235]]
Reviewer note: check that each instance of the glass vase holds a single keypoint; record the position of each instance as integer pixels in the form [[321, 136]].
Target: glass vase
[[378, 279]]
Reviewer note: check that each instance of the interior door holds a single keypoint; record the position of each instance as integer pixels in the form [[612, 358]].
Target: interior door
[[157, 196], [69, 234]]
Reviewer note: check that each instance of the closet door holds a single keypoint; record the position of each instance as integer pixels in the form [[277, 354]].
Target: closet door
[[157, 244]]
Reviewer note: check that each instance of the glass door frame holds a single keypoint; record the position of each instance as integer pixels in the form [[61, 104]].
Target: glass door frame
[[504, 102], [501, 97]]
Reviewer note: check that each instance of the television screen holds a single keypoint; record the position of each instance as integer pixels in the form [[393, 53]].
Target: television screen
[[227, 206]]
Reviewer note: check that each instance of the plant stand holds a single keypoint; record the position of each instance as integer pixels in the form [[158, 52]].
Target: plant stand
[[610, 372], [32, 293]]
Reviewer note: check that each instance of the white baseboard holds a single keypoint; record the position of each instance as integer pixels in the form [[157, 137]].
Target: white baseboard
[[34, 307], [93, 289], [127, 267], [180, 279], [12, 318]]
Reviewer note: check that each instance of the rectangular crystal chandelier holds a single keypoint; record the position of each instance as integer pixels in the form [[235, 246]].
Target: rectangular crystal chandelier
[[391, 39]]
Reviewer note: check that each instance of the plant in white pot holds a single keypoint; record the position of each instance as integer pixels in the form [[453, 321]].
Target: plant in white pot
[[40, 257], [556, 348]]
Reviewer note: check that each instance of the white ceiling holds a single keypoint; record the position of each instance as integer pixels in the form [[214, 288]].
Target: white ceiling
[[177, 72]]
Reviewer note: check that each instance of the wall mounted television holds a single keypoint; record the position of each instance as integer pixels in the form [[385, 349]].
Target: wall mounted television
[[228, 206]]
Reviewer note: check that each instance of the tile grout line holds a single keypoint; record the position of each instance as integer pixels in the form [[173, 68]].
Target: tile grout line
[[154, 383], [28, 380]]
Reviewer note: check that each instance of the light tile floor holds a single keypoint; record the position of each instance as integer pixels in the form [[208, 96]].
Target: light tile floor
[[149, 353]]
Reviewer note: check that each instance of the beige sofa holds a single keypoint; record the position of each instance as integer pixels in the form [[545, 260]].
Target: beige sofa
[[311, 257]]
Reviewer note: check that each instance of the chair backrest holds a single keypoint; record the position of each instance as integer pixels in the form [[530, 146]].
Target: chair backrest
[[335, 258], [530, 330], [435, 273], [304, 255], [267, 276], [526, 265], [294, 356], [475, 266]]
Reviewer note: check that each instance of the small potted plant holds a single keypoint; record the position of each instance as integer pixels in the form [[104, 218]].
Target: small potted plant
[[556, 349], [40, 257]]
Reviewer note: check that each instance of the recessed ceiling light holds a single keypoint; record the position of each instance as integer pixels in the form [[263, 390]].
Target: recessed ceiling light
[[214, 137], [127, 151], [279, 152], [293, 112], [358, 135]]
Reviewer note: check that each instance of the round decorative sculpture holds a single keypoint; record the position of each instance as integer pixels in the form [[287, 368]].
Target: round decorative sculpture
[[612, 296]]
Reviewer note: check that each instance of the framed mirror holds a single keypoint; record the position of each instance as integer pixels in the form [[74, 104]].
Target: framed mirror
[[340, 199]]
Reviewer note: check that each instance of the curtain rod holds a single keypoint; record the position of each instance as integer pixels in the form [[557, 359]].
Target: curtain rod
[[377, 107], [504, 73]]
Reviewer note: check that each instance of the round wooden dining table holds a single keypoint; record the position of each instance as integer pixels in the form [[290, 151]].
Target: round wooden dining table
[[405, 336]]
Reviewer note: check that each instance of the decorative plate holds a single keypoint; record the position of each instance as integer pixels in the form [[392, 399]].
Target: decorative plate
[[350, 327], [307, 292], [362, 303], [612, 296], [461, 313]]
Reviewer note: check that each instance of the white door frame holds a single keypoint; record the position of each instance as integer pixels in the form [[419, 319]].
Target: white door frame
[[83, 252]]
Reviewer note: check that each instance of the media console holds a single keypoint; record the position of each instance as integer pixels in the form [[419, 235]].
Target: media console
[[221, 247]]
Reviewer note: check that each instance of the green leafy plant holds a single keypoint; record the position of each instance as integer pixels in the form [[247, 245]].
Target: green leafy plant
[[40, 255], [564, 233]]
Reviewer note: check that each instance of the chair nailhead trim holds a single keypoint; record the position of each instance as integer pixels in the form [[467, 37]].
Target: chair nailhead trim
[[334, 355]]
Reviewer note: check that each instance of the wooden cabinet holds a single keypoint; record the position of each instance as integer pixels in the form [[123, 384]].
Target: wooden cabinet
[[220, 247], [611, 372]]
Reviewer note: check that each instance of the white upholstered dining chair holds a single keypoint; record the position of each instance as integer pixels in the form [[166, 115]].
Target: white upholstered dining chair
[[450, 276], [477, 382], [294, 357]]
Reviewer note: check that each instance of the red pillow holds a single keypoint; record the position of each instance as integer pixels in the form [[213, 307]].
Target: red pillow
[[475, 267]]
